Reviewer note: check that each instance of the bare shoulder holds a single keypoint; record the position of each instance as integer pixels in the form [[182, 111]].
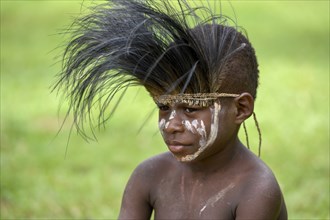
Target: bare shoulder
[[261, 196], [149, 171], [136, 199], [154, 167]]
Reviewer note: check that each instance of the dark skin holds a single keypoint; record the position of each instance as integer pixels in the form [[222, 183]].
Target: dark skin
[[225, 181]]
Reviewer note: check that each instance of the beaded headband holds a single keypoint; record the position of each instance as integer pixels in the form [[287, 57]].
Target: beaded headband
[[198, 99]]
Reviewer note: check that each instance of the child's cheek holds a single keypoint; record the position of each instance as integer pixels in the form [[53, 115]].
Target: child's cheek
[[161, 125], [215, 111], [198, 128]]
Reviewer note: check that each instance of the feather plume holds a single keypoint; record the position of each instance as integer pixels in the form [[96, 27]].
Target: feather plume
[[167, 46]]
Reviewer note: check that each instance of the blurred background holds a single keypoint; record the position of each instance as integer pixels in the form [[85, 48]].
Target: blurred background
[[46, 174]]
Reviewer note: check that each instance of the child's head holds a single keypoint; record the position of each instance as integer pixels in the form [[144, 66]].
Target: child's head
[[212, 58], [180, 54]]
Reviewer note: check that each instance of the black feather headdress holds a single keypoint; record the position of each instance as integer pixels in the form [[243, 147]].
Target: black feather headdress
[[168, 46]]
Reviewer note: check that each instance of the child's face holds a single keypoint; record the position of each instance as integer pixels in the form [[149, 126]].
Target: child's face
[[192, 132]]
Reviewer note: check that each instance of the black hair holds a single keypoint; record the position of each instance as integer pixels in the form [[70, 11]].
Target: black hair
[[167, 46]]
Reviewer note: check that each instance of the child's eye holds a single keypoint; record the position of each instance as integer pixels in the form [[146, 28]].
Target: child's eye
[[163, 107], [190, 110]]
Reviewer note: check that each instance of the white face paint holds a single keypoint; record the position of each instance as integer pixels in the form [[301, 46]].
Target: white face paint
[[202, 132], [167, 124], [188, 126], [173, 114], [196, 127], [162, 125], [204, 142]]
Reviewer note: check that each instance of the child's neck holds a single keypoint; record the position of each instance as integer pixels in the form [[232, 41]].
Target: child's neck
[[216, 162]]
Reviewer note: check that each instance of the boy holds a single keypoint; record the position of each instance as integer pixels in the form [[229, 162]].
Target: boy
[[203, 76]]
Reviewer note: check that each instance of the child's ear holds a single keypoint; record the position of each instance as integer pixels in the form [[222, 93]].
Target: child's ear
[[244, 106]]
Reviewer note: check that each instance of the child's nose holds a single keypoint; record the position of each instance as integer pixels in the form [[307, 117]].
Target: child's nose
[[174, 124]]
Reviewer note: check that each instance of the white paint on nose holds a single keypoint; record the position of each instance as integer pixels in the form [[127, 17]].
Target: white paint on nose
[[173, 114]]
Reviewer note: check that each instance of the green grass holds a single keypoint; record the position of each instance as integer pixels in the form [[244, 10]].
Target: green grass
[[37, 179]]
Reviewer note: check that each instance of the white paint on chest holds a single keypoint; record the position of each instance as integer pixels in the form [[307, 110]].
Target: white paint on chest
[[214, 199]]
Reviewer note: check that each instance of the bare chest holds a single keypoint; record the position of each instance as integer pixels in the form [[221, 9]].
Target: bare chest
[[194, 199]]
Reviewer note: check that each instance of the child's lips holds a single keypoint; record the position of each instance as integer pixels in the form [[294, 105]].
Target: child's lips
[[177, 147]]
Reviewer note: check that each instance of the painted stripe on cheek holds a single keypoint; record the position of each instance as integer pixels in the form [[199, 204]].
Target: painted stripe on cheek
[[188, 126]]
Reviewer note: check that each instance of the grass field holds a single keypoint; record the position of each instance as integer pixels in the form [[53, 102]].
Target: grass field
[[37, 179]]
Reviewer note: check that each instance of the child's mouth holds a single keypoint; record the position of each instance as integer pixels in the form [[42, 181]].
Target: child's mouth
[[177, 148]]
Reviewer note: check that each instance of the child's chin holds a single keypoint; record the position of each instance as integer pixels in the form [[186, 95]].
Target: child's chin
[[187, 158], [194, 157]]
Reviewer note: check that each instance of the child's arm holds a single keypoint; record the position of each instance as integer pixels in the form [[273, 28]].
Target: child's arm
[[135, 202], [262, 199]]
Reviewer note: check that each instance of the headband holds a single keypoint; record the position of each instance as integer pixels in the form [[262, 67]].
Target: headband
[[198, 99]]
